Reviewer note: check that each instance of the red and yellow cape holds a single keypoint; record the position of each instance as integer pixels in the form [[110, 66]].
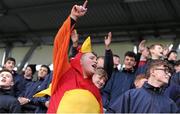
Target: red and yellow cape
[[70, 92]]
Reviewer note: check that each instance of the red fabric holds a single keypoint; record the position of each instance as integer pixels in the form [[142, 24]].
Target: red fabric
[[72, 80], [141, 63], [65, 76]]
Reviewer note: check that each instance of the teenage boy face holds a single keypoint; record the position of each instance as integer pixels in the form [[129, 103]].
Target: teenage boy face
[[116, 60], [43, 71], [177, 68], [28, 72], [162, 74], [6, 79], [129, 62], [9, 65], [98, 80], [158, 50], [173, 56]]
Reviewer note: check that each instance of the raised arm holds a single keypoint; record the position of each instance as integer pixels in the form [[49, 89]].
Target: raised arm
[[107, 41], [141, 48], [74, 38], [61, 44], [108, 60]]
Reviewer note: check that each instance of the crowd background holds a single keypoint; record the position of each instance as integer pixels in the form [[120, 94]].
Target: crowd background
[[152, 69], [42, 51]]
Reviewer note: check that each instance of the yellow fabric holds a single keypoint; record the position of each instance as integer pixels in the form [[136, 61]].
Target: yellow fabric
[[86, 47], [78, 101], [44, 92]]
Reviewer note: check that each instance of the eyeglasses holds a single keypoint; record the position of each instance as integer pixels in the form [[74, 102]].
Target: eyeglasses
[[166, 70]]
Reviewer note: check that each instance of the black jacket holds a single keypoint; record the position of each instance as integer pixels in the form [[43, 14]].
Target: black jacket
[[8, 103]]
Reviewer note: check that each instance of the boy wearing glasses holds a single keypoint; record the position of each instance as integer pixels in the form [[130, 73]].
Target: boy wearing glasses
[[149, 98]]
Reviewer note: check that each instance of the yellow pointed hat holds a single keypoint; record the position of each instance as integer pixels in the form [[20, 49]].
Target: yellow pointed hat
[[86, 46]]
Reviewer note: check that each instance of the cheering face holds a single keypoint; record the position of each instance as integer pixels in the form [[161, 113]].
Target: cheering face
[[158, 50], [88, 63], [6, 79], [162, 74], [9, 65], [129, 62], [99, 81]]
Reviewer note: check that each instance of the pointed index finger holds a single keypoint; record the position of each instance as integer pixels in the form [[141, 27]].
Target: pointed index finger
[[85, 4]]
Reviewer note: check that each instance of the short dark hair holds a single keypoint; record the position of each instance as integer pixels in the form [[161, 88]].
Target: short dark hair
[[130, 54], [47, 68], [10, 59], [115, 55], [155, 63], [32, 67], [172, 51]]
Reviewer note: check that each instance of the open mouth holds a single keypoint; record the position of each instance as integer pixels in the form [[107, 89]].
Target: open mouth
[[94, 66], [100, 85]]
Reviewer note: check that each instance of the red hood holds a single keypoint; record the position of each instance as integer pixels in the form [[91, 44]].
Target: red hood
[[75, 63]]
